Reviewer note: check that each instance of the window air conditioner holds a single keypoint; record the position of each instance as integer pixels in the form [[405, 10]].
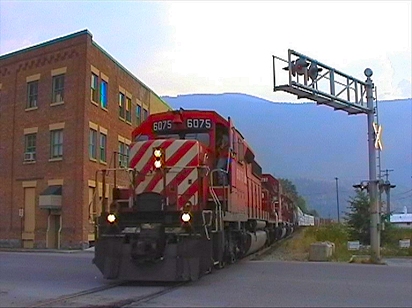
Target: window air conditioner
[[29, 156], [59, 98]]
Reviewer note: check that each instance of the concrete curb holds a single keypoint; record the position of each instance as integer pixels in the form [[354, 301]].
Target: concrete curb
[[34, 250]]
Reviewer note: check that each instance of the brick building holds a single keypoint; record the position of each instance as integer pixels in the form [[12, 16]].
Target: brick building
[[67, 110]]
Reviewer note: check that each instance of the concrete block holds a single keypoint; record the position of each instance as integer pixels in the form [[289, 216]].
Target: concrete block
[[321, 251]]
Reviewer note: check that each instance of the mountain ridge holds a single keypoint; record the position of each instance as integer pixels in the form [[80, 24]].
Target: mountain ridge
[[298, 141]]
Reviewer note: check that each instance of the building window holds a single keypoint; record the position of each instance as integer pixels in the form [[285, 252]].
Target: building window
[[123, 154], [30, 147], [58, 89], [121, 105], [56, 143], [92, 144], [103, 94], [128, 109], [138, 115], [103, 146], [93, 90], [32, 92], [145, 114]]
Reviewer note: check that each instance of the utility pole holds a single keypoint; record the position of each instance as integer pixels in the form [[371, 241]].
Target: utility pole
[[387, 187], [337, 199], [373, 182]]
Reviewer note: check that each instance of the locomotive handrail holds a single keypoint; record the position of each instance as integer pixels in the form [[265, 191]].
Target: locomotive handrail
[[205, 225], [219, 216], [218, 207]]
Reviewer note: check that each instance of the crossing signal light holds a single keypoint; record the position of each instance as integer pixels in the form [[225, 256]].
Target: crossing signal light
[[292, 67], [313, 71], [159, 156], [299, 67], [362, 185]]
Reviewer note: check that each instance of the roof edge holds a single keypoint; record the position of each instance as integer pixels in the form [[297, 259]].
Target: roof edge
[[46, 43], [130, 73]]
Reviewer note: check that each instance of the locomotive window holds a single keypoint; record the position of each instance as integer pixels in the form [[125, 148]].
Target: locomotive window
[[201, 137], [241, 151], [169, 136], [141, 138]]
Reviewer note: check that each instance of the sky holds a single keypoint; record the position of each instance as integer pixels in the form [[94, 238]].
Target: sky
[[185, 47]]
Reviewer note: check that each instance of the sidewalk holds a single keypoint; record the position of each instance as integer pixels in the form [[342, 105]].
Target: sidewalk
[[398, 261], [5, 249]]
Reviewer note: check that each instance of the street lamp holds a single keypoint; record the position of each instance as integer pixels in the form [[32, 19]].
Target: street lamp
[[337, 198]]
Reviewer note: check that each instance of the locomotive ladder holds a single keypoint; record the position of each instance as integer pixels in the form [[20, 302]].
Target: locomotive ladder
[[219, 212]]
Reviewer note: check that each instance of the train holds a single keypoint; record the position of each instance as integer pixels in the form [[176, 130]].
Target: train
[[304, 220], [197, 200]]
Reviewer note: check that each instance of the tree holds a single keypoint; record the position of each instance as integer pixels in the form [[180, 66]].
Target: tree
[[289, 189], [313, 212], [358, 218]]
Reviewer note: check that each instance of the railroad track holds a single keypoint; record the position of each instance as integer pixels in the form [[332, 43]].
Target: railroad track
[[261, 254], [95, 297], [87, 298]]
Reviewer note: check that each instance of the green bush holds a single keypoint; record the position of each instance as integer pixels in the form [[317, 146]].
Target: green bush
[[339, 234], [390, 241]]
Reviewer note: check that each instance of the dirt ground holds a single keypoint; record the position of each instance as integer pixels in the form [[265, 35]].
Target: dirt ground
[[288, 249]]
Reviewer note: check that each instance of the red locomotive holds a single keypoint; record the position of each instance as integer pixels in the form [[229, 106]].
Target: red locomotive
[[198, 200]]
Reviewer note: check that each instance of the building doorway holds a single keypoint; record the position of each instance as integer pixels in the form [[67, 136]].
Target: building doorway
[[53, 230]]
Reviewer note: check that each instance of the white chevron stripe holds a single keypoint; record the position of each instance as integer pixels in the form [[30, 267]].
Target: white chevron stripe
[[133, 150], [170, 151], [193, 199], [184, 185], [148, 154], [173, 172]]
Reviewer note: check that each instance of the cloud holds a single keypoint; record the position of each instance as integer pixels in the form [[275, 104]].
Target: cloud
[[182, 47], [227, 47], [11, 45], [405, 88]]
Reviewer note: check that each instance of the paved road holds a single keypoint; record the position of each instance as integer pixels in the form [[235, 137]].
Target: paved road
[[27, 278], [297, 284]]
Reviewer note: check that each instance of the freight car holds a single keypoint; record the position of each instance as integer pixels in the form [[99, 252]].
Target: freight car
[[198, 200], [304, 220]]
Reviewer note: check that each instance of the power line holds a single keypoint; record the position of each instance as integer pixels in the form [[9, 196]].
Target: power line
[[403, 198], [402, 193]]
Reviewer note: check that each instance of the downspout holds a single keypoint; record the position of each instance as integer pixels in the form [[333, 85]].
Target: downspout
[[59, 233], [48, 230], [12, 154]]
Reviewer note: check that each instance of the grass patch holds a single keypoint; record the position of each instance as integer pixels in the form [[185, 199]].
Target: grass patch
[[390, 248], [298, 247]]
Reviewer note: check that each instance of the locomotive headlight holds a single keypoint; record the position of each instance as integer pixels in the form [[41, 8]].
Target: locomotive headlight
[[157, 153], [111, 218], [159, 158], [157, 164], [186, 217]]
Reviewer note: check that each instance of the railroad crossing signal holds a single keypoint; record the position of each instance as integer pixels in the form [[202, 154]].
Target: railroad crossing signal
[[378, 136], [301, 65], [341, 92]]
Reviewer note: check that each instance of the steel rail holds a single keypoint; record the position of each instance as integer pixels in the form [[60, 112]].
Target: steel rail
[[65, 299]]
